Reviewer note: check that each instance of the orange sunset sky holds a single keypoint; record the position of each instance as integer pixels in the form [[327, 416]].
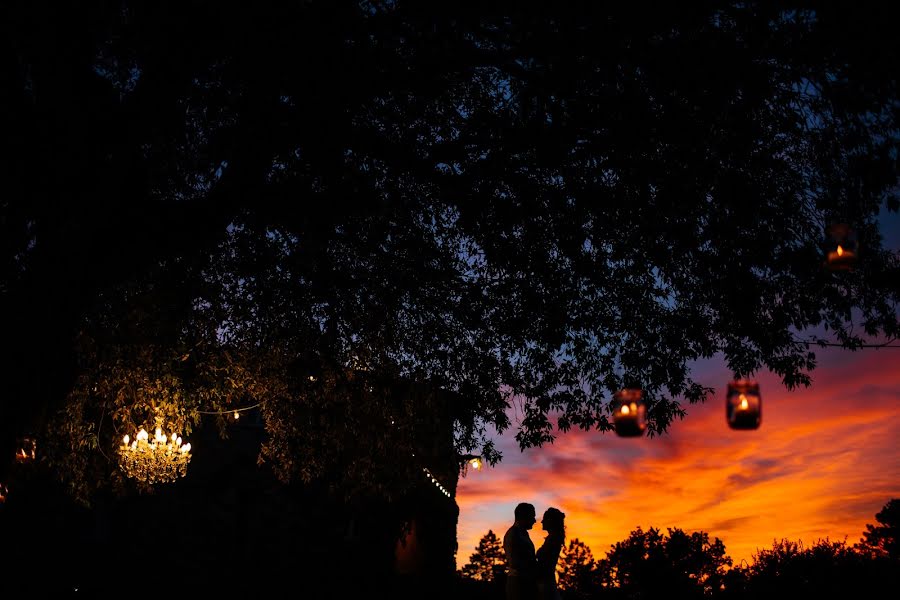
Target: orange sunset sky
[[823, 462]]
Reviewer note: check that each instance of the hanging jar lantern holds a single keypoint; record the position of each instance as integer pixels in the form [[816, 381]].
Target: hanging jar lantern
[[27, 450], [629, 412], [743, 405], [842, 248]]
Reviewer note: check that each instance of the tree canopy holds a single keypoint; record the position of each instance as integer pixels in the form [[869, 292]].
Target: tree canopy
[[578, 570], [650, 563], [883, 539], [487, 560], [305, 205]]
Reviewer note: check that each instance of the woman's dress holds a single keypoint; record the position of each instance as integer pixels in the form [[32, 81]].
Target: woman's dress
[[547, 558]]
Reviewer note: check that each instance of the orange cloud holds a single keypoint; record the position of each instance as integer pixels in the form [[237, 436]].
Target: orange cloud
[[821, 465]]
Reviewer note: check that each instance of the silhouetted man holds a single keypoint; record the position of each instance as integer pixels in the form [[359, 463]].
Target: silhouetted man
[[520, 579]]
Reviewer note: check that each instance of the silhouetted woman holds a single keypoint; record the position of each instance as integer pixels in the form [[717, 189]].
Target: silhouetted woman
[[548, 554]]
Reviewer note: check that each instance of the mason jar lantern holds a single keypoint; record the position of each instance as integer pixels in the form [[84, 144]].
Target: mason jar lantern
[[629, 412], [841, 247], [743, 405]]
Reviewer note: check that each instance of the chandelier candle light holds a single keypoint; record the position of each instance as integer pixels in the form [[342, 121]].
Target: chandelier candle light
[[160, 460]]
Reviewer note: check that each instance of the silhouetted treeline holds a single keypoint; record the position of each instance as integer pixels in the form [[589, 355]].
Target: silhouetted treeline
[[676, 564]]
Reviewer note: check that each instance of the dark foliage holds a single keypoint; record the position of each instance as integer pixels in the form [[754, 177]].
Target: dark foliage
[[651, 565], [307, 203], [825, 569], [883, 539], [577, 573], [488, 560]]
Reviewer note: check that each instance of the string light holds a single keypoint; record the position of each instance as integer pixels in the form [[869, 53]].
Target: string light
[[234, 412], [475, 462], [160, 460], [437, 483]]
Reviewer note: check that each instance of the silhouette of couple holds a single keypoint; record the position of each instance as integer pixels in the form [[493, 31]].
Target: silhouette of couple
[[532, 575]]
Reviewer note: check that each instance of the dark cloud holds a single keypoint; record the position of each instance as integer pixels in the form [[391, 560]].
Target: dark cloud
[[761, 471], [727, 525], [885, 393], [569, 466]]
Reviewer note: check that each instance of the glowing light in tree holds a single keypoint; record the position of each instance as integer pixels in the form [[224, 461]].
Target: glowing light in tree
[[27, 450], [158, 460], [629, 412], [743, 405], [842, 247]]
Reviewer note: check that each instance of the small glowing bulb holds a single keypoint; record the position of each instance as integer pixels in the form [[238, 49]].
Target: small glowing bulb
[[625, 410], [840, 250], [158, 432], [236, 415], [126, 439], [744, 404], [178, 441], [174, 436], [186, 447]]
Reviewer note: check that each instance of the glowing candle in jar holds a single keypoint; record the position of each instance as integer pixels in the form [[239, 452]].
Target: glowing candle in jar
[[842, 247], [629, 412], [743, 405], [26, 451]]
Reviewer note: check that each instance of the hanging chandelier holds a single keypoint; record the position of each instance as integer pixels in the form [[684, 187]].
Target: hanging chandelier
[[158, 460]]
